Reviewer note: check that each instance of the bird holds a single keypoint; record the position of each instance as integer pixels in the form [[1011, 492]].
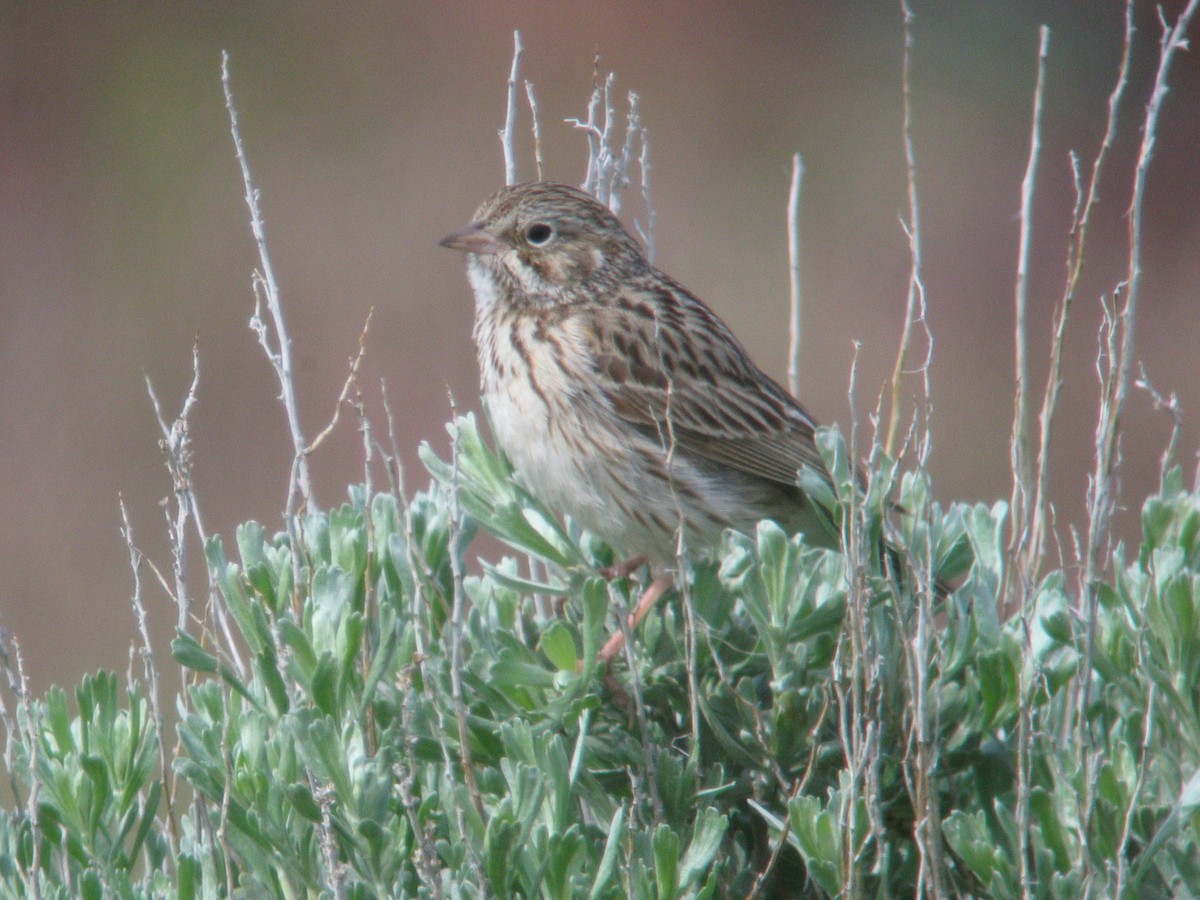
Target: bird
[[621, 399]]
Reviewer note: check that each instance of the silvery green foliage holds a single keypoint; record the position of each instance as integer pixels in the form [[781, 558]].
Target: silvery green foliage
[[336, 763]]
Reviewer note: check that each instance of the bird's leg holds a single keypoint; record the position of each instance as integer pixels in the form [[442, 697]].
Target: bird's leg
[[623, 569], [650, 596]]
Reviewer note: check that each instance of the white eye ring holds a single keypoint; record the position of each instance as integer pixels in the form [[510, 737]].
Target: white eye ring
[[538, 233]]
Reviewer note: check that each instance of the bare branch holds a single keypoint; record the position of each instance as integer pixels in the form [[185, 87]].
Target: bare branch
[[1075, 255], [793, 227], [457, 624], [1018, 576], [1169, 405], [537, 130], [914, 310], [395, 467], [176, 446], [508, 132], [281, 354], [1022, 469], [150, 668], [647, 233], [604, 161], [1102, 496], [618, 173], [351, 380], [600, 155]]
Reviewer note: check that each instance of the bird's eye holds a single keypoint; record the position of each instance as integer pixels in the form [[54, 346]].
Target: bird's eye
[[538, 233]]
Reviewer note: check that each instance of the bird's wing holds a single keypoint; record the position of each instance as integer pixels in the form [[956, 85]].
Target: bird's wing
[[665, 361]]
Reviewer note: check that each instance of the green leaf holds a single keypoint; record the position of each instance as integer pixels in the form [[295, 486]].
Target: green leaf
[[989, 860], [187, 651], [1044, 809], [187, 873], [499, 846], [91, 887], [558, 643], [595, 610], [666, 861], [302, 801], [523, 585], [148, 818], [323, 688], [252, 543], [266, 666], [612, 847], [303, 654], [707, 834], [816, 835]]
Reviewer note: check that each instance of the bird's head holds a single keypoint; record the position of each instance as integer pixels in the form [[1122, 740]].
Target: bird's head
[[545, 244]]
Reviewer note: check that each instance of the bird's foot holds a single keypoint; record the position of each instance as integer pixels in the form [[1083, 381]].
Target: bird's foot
[[623, 569]]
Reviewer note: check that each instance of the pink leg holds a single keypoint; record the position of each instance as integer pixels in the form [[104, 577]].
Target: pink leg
[[623, 569], [656, 589]]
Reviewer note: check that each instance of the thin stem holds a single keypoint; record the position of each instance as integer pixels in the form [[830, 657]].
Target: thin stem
[[457, 624], [1022, 469], [351, 381], [648, 233], [1075, 257], [176, 445], [1116, 364], [914, 309], [1102, 496], [508, 132], [1169, 405], [537, 130], [793, 226], [1016, 575], [280, 355], [151, 670]]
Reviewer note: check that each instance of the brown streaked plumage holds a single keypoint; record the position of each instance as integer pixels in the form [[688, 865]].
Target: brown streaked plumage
[[621, 399]]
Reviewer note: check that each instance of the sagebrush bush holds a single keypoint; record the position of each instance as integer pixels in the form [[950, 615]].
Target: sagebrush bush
[[329, 755]]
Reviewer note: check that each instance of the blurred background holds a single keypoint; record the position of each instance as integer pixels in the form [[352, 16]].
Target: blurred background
[[371, 132]]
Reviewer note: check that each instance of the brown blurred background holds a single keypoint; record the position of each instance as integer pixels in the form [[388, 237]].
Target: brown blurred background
[[372, 132]]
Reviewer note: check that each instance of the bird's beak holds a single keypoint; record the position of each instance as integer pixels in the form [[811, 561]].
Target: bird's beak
[[473, 238]]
